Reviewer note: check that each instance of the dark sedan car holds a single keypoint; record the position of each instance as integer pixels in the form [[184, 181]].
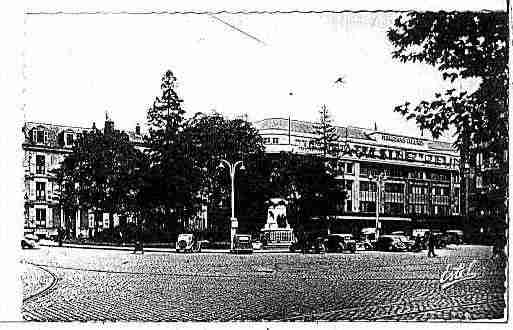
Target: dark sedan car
[[242, 244], [340, 243], [390, 243], [312, 244]]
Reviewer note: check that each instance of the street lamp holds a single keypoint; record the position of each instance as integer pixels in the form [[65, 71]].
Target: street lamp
[[232, 167], [379, 180]]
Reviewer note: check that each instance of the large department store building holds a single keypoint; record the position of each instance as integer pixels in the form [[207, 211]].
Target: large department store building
[[421, 184]]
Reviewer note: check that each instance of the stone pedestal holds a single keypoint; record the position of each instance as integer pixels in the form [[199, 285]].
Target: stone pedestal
[[277, 233]]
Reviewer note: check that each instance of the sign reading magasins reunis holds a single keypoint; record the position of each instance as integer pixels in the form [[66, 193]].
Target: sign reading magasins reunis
[[402, 139]]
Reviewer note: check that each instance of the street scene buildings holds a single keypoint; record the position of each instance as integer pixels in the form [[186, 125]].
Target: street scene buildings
[[422, 176], [45, 147], [306, 166]]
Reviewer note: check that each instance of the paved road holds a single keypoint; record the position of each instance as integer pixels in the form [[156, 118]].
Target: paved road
[[77, 284]]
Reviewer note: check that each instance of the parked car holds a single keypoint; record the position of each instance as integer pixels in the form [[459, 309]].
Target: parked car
[[440, 240], [187, 243], [257, 245], [311, 244], [368, 234], [409, 243], [30, 241], [390, 243], [454, 236], [364, 245], [340, 243], [242, 244], [419, 231]]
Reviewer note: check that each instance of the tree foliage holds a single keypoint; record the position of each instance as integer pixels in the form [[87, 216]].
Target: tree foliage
[[101, 174], [170, 179], [461, 45], [328, 138], [211, 138], [308, 184]]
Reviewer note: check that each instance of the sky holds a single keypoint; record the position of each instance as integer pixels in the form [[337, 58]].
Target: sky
[[77, 67]]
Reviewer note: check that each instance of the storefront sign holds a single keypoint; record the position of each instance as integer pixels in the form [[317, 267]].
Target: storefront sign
[[402, 139]]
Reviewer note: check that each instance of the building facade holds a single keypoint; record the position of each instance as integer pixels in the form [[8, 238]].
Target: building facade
[[45, 146], [421, 179]]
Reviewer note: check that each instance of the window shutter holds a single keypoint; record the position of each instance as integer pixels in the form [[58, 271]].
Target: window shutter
[[46, 137], [32, 190], [33, 135], [32, 164]]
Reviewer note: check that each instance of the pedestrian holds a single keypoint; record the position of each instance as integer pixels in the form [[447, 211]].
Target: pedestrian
[[418, 243], [498, 246], [431, 245], [138, 246], [60, 233]]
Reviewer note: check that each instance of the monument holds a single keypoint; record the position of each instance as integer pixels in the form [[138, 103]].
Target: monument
[[277, 232]]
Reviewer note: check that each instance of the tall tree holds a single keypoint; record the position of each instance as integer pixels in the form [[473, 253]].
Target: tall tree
[[172, 170], [461, 45], [327, 137]]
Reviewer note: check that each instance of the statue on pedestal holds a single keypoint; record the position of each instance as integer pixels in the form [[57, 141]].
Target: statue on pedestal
[[277, 231]]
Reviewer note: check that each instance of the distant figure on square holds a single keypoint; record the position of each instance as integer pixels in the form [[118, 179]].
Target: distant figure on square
[[60, 235], [498, 246], [431, 245], [138, 246]]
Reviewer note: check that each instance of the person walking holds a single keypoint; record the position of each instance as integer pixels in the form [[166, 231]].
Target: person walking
[[60, 234], [431, 245], [418, 243], [498, 246]]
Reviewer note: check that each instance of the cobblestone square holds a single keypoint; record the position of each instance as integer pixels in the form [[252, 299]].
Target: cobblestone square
[[67, 284]]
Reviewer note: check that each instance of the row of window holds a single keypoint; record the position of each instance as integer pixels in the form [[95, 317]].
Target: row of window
[[341, 168], [397, 209], [40, 136], [267, 140], [402, 172], [399, 188]]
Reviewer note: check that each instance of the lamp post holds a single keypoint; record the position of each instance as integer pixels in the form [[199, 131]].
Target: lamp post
[[379, 180], [233, 223]]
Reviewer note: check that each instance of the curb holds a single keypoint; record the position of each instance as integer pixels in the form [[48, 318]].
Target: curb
[[130, 248]]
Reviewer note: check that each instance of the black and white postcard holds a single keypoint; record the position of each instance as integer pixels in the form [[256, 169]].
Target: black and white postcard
[[286, 164]]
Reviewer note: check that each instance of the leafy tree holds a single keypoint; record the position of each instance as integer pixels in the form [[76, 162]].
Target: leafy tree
[[312, 190], [211, 138], [327, 137], [461, 45], [99, 174]]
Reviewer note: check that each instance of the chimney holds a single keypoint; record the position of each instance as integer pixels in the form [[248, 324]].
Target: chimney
[[138, 129]]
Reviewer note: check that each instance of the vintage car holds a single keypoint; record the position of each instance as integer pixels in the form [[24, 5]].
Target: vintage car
[[441, 239], [409, 243], [30, 241], [390, 243], [310, 244], [187, 243], [257, 245], [340, 243], [242, 244], [454, 236]]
